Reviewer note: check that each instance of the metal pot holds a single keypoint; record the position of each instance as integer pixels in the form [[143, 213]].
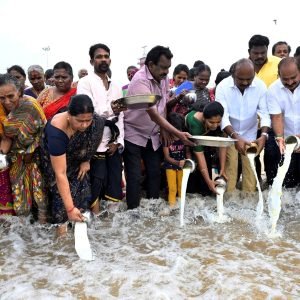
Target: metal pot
[[190, 98], [189, 164], [292, 139], [137, 101]]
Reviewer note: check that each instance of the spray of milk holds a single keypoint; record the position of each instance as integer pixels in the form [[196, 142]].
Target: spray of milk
[[260, 204], [220, 189], [274, 196], [185, 178]]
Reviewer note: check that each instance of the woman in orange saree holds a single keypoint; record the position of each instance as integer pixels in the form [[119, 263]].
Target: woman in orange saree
[[55, 99], [23, 126]]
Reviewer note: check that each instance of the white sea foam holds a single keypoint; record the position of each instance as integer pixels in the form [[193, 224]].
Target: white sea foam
[[140, 255]]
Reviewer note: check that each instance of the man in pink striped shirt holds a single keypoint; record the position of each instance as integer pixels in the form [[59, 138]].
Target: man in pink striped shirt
[[143, 127]]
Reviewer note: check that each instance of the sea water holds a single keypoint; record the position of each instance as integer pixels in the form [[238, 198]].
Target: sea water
[[139, 255]]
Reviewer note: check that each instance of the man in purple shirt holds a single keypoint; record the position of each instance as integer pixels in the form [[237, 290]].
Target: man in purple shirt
[[142, 127]]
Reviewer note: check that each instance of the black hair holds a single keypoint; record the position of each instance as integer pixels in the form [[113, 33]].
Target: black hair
[[191, 74], [232, 68], [80, 104], [258, 40], [179, 68], [18, 69], [201, 69], [9, 79], [64, 65], [213, 109], [155, 53], [297, 52], [198, 106], [198, 63], [98, 46], [109, 72], [177, 120], [222, 75], [49, 73], [131, 67], [281, 43]]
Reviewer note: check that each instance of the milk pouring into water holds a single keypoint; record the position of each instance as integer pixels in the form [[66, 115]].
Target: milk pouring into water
[[274, 196], [220, 188], [260, 204], [188, 167]]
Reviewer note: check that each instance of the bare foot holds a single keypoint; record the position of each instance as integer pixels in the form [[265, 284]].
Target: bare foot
[[62, 230]]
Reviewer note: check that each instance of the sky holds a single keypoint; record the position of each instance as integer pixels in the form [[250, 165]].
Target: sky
[[215, 31]]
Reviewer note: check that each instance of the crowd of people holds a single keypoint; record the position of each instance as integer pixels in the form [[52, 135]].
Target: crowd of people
[[69, 144]]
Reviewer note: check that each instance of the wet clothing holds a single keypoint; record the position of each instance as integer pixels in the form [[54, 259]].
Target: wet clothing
[[79, 148]]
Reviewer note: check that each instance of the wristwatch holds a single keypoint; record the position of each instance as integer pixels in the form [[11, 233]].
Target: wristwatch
[[265, 134]]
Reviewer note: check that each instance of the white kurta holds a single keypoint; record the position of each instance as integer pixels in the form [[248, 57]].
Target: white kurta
[[281, 100], [241, 110], [92, 85]]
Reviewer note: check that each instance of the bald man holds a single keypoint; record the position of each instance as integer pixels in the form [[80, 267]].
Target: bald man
[[283, 100], [243, 96]]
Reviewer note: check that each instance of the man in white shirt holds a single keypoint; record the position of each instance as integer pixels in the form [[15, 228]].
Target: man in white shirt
[[283, 100], [243, 96], [106, 166]]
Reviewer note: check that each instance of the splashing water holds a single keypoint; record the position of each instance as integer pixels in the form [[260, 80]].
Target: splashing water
[[274, 196], [260, 204], [185, 178], [139, 255], [220, 218]]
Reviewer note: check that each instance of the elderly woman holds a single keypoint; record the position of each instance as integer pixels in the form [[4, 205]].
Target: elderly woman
[[56, 98], [36, 77], [70, 140], [23, 127]]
